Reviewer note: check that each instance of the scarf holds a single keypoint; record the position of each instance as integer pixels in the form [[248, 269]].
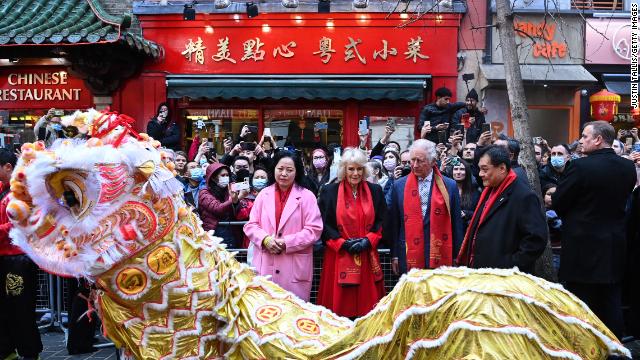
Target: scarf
[[441, 237], [468, 245], [280, 202], [355, 218]]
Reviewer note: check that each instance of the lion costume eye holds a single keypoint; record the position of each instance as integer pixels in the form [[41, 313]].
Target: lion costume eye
[[68, 187]]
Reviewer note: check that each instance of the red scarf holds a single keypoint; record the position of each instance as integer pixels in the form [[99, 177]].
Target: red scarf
[[465, 257], [281, 201], [355, 218], [441, 238]]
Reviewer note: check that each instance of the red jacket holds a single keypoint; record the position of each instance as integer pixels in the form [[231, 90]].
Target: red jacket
[[210, 208], [6, 248]]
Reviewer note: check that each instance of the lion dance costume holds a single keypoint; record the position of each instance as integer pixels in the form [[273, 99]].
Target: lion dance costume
[[109, 209]]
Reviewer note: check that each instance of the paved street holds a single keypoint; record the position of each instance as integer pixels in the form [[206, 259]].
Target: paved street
[[54, 349]]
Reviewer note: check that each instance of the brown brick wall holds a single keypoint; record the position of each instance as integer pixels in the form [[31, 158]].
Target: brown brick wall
[[119, 7]]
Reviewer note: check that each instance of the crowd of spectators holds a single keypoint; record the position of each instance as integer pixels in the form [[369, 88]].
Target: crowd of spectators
[[281, 205]]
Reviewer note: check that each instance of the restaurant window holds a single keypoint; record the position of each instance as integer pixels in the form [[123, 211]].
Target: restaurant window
[[302, 129], [217, 124], [16, 126], [550, 123], [403, 134]]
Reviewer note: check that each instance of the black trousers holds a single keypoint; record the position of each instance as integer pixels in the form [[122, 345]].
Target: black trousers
[[605, 300], [18, 322], [82, 325]]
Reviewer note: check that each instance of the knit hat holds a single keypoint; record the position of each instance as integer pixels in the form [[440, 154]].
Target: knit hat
[[472, 95]]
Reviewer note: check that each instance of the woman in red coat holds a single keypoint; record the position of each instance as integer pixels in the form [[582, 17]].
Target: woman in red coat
[[352, 212]]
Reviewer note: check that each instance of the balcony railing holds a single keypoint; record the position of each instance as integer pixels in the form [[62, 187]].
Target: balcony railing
[[598, 5]]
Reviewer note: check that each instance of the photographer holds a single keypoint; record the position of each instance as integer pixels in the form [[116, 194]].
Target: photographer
[[48, 128], [161, 128], [471, 117], [438, 114]]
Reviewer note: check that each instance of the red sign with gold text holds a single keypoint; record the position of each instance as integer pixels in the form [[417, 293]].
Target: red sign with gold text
[[352, 43], [41, 88]]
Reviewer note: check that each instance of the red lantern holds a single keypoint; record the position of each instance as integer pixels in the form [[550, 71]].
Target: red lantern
[[635, 114], [604, 105]]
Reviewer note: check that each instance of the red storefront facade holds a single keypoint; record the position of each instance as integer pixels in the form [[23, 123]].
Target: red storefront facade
[[290, 71]]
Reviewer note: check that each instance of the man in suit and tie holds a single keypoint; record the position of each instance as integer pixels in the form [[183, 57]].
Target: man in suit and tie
[[591, 200], [508, 227], [426, 223]]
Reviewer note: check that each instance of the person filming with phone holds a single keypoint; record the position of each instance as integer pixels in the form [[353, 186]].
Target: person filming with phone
[[438, 114], [471, 117]]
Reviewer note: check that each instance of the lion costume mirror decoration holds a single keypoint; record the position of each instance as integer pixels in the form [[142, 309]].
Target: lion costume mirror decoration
[[110, 209]]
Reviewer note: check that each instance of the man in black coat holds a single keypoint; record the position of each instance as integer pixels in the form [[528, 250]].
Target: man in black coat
[[508, 227], [476, 117], [591, 200], [438, 114]]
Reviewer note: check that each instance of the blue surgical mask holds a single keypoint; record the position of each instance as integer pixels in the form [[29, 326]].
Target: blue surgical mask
[[197, 174], [223, 181], [557, 161], [259, 184], [56, 127]]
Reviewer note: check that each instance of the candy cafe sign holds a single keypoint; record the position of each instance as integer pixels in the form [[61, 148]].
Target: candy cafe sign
[[25, 88], [544, 33]]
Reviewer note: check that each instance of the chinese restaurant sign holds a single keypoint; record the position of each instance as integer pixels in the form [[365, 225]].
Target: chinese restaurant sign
[[41, 88], [281, 47]]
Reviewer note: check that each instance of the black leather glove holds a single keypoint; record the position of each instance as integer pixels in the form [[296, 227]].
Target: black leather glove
[[346, 245], [359, 246]]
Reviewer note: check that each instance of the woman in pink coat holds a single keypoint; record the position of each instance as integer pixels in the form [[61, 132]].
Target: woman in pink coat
[[284, 223]]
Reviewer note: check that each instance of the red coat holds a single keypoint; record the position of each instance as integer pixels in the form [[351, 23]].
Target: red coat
[[349, 301], [6, 248]]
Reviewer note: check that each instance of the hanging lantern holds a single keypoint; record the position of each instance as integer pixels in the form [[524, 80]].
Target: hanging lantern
[[604, 105], [635, 114]]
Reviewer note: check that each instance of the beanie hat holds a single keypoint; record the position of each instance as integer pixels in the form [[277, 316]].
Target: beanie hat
[[472, 95]]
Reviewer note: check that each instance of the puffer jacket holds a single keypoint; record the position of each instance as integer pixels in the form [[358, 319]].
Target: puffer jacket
[[211, 208]]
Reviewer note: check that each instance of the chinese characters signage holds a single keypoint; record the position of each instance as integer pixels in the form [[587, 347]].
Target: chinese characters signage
[[194, 51], [544, 41], [286, 48]]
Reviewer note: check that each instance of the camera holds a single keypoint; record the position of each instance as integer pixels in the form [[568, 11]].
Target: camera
[[455, 161], [239, 186]]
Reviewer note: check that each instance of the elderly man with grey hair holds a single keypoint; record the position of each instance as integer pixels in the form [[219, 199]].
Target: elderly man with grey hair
[[426, 224]]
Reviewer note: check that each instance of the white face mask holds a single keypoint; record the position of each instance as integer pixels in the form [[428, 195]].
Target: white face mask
[[389, 164], [223, 181]]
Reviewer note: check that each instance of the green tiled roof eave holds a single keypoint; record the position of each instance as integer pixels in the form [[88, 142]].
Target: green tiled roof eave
[[68, 22]]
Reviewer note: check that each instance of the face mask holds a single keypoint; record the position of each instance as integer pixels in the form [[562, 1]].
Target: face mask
[[259, 184], [203, 161], [223, 181], [197, 174], [389, 164], [557, 161], [56, 127], [319, 163]]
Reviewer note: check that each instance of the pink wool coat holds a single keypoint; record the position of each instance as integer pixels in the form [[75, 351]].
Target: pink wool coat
[[300, 227]]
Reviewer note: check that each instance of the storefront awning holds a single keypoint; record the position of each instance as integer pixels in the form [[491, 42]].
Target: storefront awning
[[565, 75], [618, 83], [325, 87]]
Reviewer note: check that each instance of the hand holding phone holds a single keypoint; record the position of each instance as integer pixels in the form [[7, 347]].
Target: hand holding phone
[[465, 120], [486, 127], [363, 128], [442, 137]]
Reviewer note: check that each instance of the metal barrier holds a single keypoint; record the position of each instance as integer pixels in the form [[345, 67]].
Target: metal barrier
[[53, 290]]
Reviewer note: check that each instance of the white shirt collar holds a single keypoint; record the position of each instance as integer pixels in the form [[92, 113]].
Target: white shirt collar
[[428, 178]]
